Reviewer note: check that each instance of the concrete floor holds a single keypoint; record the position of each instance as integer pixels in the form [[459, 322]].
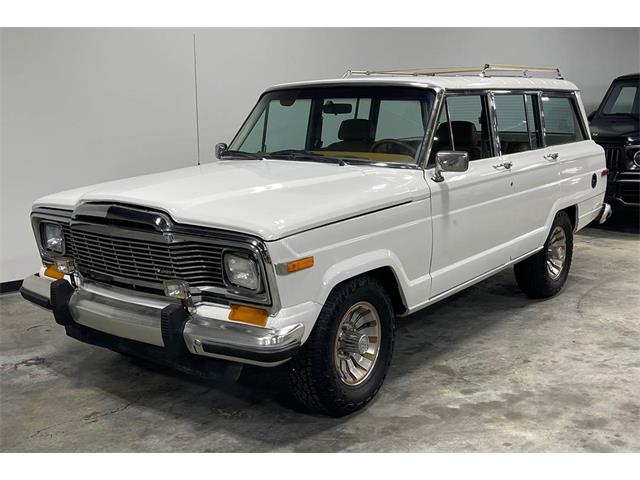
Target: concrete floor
[[487, 370]]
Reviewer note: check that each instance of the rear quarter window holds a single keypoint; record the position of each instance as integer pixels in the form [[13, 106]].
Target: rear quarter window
[[561, 120]]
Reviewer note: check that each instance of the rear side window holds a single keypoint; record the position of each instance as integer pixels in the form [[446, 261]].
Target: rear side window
[[518, 124], [561, 122]]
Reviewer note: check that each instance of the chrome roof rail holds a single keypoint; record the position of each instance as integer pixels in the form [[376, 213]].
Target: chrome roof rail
[[484, 71]]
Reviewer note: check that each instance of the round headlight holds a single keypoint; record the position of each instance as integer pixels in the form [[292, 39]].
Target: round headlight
[[636, 158], [241, 271], [52, 237]]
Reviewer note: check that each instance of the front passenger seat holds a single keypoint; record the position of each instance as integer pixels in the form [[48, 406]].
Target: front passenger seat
[[356, 135]]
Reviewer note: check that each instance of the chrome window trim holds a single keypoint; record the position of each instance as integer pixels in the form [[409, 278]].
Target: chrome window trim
[[170, 231], [430, 131]]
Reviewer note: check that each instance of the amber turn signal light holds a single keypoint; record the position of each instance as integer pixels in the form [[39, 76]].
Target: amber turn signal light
[[254, 316], [301, 264], [52, 272]]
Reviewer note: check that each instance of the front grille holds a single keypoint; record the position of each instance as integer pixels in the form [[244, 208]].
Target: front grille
[[198, 263], [614, 156]]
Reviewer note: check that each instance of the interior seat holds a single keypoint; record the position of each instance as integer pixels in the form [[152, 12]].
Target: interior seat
[[356, 135], [465, 137]]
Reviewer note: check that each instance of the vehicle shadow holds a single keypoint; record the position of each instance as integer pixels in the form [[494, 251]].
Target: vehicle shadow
[[625, 221]]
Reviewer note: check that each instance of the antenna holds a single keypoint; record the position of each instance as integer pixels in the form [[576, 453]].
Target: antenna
[[195, 82]]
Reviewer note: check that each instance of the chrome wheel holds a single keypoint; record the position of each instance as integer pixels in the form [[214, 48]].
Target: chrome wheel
[[357, 344], [556, 252]]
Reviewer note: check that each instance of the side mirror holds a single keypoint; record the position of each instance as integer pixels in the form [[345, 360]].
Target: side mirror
[[450, 161], [590, 116], [220, 149]]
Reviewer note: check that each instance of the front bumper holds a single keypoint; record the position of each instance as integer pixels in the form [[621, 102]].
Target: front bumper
[[110, 316], [623, 189]]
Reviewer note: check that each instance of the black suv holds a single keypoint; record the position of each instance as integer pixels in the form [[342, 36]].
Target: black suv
[[616, 127]]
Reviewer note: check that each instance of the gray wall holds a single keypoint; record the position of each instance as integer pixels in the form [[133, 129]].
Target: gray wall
[[86, 105]]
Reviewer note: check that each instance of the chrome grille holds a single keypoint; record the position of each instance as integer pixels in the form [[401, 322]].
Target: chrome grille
[[614, 156], [198, 263]]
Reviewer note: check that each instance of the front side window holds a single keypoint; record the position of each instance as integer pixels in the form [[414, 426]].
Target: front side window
[[518, 124], [463, 126], [373, 124], [561, 121], [623, 100]]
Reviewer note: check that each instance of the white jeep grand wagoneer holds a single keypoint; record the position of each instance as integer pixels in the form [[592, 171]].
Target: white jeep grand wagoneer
[[338, 206]]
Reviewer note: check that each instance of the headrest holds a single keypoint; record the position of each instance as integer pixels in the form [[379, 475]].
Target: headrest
[[356, 129], [464, 133]]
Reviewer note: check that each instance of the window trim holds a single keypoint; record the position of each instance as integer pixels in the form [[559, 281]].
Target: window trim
[[576, 111]]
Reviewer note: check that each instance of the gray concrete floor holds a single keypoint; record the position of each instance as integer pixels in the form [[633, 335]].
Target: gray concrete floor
[[487, 370]]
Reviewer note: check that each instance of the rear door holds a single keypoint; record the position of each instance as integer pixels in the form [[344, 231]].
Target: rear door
[[535, 174], [469, 209]]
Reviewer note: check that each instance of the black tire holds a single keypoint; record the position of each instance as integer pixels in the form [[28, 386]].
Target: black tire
[[532, 274], [313, 379]]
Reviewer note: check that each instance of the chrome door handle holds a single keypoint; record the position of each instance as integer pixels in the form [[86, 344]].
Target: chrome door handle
[[551, 156], [506, 165]]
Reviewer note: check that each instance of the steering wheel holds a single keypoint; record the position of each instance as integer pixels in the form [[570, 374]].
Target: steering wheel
[[395, 146]]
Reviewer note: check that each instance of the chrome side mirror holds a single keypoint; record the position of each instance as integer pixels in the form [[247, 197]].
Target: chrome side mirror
[[220, 149], [450, 161]]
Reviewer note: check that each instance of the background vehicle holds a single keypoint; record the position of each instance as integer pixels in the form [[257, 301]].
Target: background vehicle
[[615, 126], [339, 206]]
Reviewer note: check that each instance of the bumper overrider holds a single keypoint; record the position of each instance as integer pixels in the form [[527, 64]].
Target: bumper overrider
[[161, 329]]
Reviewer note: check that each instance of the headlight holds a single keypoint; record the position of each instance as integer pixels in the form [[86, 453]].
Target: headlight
[[52, 238], [241, 271], [636, 158]]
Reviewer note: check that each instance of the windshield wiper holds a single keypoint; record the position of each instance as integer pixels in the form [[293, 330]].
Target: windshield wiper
[[305, 155], [241, 154]]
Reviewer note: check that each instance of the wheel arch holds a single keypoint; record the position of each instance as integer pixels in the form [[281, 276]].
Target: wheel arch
[[379, 266]]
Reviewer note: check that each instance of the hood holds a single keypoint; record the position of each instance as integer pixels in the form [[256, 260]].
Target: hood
[[267, 198], [615, 130]]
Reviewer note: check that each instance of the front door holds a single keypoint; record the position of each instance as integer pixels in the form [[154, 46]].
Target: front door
[[470, 210]]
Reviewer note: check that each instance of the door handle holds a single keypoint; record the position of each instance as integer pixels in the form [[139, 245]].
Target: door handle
[[552, 156], [506, 165]]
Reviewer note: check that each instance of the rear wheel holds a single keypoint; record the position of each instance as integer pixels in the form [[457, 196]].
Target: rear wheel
[[545, 273], [343, 363]]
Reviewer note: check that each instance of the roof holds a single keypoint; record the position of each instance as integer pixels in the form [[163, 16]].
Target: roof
[[629, 76], [453, 82]]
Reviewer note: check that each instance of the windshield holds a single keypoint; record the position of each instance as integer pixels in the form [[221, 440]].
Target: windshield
[[623, 100], [373, 124]]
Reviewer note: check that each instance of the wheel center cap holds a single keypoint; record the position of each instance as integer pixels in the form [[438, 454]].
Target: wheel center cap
[[363, 344]]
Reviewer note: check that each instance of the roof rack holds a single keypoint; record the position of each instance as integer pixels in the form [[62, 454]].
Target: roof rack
[[484, 71]]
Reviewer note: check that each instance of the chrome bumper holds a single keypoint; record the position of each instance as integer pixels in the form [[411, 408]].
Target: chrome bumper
[[604, 214], [150, 320]]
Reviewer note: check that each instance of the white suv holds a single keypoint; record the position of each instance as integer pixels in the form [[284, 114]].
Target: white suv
[[339, 206]]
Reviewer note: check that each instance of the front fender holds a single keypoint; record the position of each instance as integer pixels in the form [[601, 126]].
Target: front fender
[[359, 265]]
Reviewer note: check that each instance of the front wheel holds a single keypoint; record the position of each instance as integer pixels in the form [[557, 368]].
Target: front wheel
[[343, 363], [545, 273]]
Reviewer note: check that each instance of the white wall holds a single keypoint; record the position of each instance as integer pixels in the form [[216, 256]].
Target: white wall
[[82, 106]]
